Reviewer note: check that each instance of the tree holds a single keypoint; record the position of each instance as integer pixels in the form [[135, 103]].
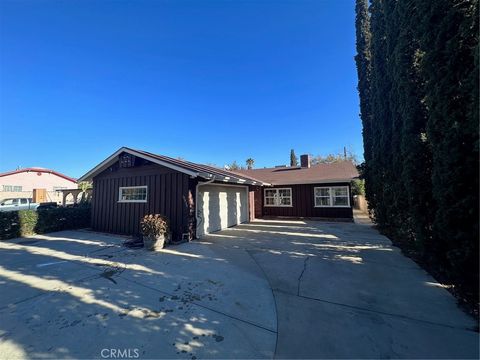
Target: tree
[[364, 68], [250, 162], [349, 155], [448, 35], [417, 65], [84, 185], [358, 187], [293, 158], [234, 166]]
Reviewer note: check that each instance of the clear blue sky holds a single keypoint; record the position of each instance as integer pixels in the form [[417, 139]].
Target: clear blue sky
[[209, 81]]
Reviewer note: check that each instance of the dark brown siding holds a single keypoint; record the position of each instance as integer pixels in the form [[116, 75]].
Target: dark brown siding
[[169, 194], [303, 203], [258, 200]]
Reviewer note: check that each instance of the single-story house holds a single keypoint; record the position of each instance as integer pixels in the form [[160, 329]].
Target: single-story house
[[305, 191], [200, 199]]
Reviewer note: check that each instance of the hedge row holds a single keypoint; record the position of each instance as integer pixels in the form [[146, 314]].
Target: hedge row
[[27, 222], [418, 65]]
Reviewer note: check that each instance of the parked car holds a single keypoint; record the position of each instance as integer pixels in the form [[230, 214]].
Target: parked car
[[13, 204]]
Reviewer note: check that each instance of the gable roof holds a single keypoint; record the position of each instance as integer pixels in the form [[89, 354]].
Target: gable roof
[[38, 170], [341, 171], [186, 167]]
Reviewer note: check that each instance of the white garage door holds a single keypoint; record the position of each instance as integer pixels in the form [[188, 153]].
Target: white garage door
[[220, 207]]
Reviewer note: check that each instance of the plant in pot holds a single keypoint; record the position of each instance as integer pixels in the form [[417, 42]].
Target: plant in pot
[[155, 231]]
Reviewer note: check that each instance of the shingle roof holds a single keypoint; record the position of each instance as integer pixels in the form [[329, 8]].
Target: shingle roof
[[190, 168], [320, 173], [201, 168]]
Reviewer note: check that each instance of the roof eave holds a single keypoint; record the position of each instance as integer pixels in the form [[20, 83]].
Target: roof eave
[[232, 179], [323, 181], [113, 158], [206, 175]]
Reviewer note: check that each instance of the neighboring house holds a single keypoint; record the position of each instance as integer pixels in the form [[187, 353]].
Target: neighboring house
[[20, 183], [200, 199]]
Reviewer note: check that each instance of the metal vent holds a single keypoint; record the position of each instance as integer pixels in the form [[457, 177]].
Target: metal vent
[[127, 160]]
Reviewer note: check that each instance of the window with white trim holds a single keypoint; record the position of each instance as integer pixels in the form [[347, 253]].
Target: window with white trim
[[278, 197], [332, 196], [132, 194]]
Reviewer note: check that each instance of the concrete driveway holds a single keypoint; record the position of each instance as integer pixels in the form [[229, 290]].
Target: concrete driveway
[[286, 289]]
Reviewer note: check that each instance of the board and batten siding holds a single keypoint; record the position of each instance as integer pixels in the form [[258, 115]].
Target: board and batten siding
[[303, 203], [169, 193]]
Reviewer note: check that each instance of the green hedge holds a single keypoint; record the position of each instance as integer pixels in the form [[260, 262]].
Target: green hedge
[[26, 222]]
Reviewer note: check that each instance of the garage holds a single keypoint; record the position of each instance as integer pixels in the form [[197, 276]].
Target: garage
[[133, 183], [220, 206]]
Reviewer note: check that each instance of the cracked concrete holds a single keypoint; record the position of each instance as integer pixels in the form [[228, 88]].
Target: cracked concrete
[[184, 302], [343, 291], [284, 289], [301, 274]]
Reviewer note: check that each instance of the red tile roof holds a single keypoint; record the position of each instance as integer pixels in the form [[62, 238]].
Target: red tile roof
[[40, 170], [320, 173]]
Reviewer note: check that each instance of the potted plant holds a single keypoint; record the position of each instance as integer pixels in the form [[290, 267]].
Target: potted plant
[[155, 231]]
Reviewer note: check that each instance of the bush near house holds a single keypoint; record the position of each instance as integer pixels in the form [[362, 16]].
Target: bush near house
[[27, 222]]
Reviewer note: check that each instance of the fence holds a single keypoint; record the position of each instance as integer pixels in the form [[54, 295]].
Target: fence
[[360, 203]]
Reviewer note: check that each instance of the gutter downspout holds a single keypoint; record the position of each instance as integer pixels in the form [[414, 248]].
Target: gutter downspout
[[198, 218]]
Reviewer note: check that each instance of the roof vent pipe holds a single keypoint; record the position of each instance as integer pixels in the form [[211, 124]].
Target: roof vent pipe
[[305, 161]]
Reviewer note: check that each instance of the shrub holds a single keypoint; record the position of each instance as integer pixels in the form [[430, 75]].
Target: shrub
[[26, 222], [358, 187], [154, 225]]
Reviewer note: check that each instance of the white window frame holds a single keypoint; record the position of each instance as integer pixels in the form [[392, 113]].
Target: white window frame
[[120, 200], [277, 197], [330, 191]]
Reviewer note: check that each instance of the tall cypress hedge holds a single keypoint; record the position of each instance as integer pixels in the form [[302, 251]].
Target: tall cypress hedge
[[417, 64]]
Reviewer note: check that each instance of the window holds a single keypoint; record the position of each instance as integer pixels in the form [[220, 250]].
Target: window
[[132, 194], [23, 201], [12, 188], [332, 196], [278, 197]]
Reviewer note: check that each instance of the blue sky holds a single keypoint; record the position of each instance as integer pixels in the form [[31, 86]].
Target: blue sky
[[208, 81]]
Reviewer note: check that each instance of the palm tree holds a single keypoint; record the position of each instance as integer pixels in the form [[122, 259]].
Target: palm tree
[[84, 186], [250, 163]]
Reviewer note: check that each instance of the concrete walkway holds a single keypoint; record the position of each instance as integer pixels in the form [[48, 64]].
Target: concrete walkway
[[361, 218], [284, 289]]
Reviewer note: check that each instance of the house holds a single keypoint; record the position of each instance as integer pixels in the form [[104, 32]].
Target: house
[[307, 191], [20, 183], [200, 199]]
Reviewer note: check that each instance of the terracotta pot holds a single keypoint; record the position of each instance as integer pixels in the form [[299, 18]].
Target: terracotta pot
[[154, 243]]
